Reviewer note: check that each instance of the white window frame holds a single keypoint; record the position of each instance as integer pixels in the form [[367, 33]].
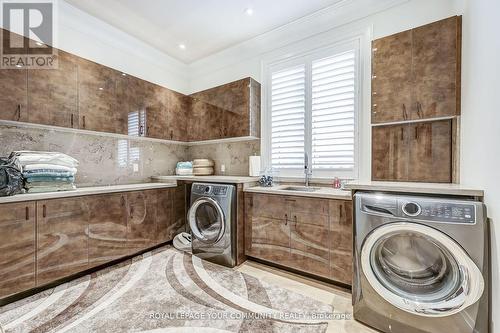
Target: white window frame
[[279, 63]]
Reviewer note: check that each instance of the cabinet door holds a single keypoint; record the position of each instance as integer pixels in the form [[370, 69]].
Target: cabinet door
[[430, 152], [141, 224], [178, 106], [179, 204], [265, 238], [436, 61], [392, 78], [107, 228], [14, 96], [156, 112], [17, 245], [205, 121], [309, 242], [98, 99], [53, 94], [165, 218], [234, 99], [390, 152], [13, 84], [340, 236], [62, 238]]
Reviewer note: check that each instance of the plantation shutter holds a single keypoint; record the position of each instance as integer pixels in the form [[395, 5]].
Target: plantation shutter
[[332, 115], [288, 109]]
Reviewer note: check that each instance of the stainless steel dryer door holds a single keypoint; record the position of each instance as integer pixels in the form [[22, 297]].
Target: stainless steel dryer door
[[207, 220], [420, 270]]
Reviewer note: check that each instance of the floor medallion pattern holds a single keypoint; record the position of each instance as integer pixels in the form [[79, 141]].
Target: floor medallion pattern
[[166, 291]]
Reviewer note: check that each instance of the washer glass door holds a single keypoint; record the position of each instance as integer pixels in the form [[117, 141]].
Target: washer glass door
[[420, 270], [206, 220]]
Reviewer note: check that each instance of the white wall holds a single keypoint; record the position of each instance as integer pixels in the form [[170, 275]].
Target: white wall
[[86, 36], [481, 120]]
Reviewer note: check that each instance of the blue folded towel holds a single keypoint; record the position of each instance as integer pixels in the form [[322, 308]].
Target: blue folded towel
[[47, 173], [39, 179], [184, 165]]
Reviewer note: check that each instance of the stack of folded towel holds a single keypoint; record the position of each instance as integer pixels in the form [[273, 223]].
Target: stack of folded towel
[[184, 168], [46, 171]]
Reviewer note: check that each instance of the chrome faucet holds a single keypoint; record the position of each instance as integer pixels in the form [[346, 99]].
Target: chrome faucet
[[307, 171]]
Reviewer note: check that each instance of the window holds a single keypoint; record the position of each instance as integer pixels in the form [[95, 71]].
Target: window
[[312, 104]]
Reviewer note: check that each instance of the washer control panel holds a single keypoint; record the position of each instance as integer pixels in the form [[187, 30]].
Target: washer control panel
[[444, 212], [207, 189]]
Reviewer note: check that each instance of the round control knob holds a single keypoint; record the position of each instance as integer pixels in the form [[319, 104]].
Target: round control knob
[[412, 209], [207, 189]]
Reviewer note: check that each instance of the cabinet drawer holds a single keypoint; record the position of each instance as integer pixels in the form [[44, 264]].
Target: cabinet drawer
[[308, 211], [268, 206]]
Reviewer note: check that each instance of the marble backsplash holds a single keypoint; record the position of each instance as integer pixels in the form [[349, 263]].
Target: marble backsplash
[[111, 160], [234, 155], [104, 159]]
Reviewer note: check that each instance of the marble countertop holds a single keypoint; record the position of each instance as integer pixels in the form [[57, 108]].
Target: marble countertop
[[85, 191], [322, 192], [423, 188], [209, 179]]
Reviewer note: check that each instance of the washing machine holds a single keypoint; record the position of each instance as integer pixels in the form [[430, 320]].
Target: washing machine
[[212, 220], [420, 264]]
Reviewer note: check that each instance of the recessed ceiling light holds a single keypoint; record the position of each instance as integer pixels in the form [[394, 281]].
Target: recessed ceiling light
[[249, 11], [182, 46]]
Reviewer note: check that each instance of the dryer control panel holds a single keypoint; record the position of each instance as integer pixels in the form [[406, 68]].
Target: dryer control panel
[[439, 211]]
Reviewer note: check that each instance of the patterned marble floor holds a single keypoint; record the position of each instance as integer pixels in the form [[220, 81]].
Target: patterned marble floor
[[168, 291]]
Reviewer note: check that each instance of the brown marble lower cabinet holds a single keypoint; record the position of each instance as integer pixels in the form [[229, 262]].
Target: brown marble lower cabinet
[[44, 241], [62, 227], [107, 228], [17, 247], [308, 234]]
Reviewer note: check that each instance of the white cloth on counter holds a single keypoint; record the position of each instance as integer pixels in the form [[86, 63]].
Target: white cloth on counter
[[47, 167], [26, 157], [51, 188]]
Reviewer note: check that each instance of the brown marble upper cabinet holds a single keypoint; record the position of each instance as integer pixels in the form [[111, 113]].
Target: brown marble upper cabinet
[[156, 111], [417, 152], [62, 246], [178, 106], [437, 69], [430, 151], [391, 78], [107, 228], [99, 98], [17, 245], [14, 86], [53, 93], [390, 152], [416, 73], [229, 110]]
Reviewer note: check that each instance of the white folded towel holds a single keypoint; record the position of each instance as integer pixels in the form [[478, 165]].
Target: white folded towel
[[26, 157], [54, 167]]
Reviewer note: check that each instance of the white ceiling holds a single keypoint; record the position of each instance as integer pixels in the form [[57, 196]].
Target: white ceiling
[[204, 26]]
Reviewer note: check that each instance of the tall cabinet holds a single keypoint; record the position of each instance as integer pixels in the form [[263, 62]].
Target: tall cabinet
[[416, 103]]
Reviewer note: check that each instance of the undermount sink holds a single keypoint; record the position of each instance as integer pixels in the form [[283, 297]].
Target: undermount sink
[[300, 188]]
